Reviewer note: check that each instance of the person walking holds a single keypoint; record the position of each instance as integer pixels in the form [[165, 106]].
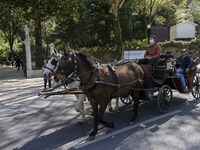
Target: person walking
[[17, 62]]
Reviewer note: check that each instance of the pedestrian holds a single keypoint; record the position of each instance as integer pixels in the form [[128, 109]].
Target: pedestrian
[[12, 59], [185, 62], [17, 62]]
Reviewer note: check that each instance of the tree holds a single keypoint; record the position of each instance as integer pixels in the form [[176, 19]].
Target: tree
[[115, 6], [37, 12], [10, 22], [194, 13]]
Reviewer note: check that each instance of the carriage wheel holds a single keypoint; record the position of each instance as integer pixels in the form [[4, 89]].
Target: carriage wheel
[[164, 98], [126, 100], [196, 87]]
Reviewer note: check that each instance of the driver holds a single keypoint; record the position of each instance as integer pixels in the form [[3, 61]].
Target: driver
[[152, 53]]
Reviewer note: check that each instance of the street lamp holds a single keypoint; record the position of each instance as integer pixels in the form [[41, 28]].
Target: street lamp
[[148, 31]]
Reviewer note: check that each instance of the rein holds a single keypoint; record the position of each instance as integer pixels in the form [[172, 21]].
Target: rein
[[52, 70]]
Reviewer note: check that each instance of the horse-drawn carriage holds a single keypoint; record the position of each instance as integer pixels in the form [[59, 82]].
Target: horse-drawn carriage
[[164, 80], [125, 80]]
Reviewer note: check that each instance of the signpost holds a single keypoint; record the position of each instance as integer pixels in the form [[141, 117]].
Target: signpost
[[133, 54]]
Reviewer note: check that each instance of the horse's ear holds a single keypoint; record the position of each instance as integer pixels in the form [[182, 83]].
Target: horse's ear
[[55, 51]]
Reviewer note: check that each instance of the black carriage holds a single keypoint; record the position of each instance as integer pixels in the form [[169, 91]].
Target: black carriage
[[164, 80]]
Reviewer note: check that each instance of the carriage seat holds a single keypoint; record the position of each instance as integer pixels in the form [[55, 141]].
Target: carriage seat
[[190, 76], [167, 56]]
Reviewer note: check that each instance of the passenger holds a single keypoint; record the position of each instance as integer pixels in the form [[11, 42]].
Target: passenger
[[186, 62], [152, 53]]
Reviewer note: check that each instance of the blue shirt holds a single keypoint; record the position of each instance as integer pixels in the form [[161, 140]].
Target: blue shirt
[[185, 62]]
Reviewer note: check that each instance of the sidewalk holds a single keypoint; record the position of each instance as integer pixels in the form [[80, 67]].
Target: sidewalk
[[7, 72]]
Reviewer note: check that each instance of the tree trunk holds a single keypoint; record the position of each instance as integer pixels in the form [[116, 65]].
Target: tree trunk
[[38, 43], [118, 38], [11, 41]]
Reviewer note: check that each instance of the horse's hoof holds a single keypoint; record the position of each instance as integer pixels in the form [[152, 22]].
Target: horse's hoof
[[90, 113], [112, 125], [110, 109], [80, 122], [131, 123], [90, 138], [116, 110]]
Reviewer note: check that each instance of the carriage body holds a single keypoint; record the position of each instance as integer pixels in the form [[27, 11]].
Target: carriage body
[[164, 80]]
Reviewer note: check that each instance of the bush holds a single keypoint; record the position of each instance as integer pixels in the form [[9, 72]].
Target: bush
[[108, 53], [176, 46]]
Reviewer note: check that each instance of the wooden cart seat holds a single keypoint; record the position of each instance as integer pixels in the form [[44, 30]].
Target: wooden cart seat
[[190, 77]]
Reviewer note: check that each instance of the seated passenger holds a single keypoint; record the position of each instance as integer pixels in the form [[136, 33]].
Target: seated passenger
[[185, 62], [152, 53]]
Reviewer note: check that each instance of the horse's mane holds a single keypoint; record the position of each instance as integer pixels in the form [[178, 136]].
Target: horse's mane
[[87, 57]]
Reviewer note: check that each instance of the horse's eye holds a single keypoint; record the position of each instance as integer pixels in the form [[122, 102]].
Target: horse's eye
[[54, 62]]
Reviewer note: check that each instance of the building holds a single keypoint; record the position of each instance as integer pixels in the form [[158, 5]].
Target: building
[[183, 30], [161, 32]]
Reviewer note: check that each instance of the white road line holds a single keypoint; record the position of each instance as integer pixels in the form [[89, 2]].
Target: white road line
[[85, 143]]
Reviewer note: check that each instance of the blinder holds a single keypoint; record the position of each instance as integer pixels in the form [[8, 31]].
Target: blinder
[[54, 62]]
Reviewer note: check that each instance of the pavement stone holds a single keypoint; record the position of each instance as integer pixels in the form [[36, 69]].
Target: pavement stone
[[7, 72]]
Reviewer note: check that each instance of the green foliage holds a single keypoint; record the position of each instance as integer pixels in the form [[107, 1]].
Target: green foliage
[[176, 46], [103, 54], [88, 24], [136, 44]]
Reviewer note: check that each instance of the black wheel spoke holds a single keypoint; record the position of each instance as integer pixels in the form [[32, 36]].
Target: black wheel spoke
[[164, 98]]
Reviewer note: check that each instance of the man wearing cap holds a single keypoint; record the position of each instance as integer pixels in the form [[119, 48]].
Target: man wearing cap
[[152, 53], [186, 62]]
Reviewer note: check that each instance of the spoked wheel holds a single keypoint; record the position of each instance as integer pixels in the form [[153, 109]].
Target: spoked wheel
[[196, 87], [126, 100], [164, 98]]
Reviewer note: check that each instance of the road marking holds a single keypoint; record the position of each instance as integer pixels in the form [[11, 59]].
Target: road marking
[[85, 143]]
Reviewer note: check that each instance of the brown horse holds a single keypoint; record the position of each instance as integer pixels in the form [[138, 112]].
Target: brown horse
[[101, 84]]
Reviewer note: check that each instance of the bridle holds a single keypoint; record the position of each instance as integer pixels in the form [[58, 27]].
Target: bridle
[[55, 63], [72, 59]]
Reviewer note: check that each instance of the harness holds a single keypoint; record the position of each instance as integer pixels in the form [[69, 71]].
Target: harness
[[95, 76], [54, 62]]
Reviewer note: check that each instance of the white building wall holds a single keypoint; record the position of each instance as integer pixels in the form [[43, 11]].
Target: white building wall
[[185, 30], [173, 32]]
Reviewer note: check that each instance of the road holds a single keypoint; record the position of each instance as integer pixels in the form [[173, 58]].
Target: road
[[30, 122]]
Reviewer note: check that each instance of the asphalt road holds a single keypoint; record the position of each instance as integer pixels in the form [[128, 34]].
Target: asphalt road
[[30, 122]]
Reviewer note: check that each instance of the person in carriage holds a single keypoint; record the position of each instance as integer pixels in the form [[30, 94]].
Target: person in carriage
[[185, 64], [151, 56], [152, 53]]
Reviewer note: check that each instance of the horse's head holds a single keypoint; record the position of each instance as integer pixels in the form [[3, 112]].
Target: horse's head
[[51, 65], [67, 64]]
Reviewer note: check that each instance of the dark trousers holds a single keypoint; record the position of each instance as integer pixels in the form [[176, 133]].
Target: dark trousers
[[146, 61]]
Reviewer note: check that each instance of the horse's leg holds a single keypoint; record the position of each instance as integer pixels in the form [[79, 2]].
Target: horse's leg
[[95, 114], [117, 104], [45, 84], [135, 96], [102, 109], [80, 106], [110, 106]]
